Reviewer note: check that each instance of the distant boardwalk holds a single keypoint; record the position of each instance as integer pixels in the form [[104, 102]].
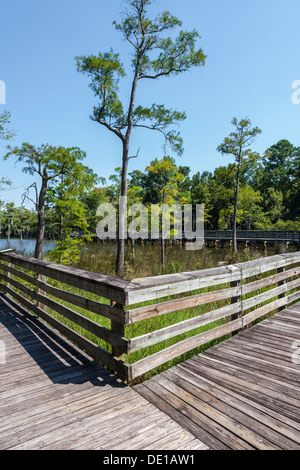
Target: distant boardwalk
[[55, 397], [253, 236]]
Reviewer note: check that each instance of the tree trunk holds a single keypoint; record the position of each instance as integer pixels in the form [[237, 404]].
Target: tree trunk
[[234, 240], [8, 230], [125, 158], [162, 232], [122, 213], [39, 246]]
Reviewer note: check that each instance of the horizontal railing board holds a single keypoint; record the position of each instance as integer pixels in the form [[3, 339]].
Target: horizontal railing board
[[111, 312], [150, 362], [157, 336], [150, 311], [293, 297], [185, 326], [174, 286], [107, 286], [86, 323], [169, 306], [257, 313], [163, 286], [85, 344], [26, 277], [263, 297], [268, 281], [80, 320], [263, 265]]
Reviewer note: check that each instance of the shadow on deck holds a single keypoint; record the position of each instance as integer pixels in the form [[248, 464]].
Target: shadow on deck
[[54, 397]]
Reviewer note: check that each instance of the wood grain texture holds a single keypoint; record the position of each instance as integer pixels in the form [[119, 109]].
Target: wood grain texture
[[243, 393], [54, 396]]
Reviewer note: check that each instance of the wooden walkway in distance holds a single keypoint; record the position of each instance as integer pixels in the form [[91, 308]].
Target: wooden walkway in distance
[[52, 396], [243, 393]]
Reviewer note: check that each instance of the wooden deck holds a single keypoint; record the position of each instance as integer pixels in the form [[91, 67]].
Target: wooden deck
[[55, 397], [241, 394]]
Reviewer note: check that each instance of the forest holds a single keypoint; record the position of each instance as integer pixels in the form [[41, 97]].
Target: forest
[[268, 198]]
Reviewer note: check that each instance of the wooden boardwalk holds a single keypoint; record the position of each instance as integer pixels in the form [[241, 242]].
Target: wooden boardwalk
[[241, 394], [52, 396]]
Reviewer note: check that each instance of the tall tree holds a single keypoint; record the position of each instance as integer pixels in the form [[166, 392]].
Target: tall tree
[[238, 144], [155, 54], [166, 177], [278, 170], [48, 163], [68, 210]]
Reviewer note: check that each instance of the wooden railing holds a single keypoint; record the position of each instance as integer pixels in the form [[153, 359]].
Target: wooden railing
[[291, 236], [233, 297]]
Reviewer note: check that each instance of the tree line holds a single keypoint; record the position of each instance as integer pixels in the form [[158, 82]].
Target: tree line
[[268, 197]]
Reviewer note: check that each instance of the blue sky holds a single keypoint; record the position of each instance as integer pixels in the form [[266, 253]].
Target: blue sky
[[252, 50]]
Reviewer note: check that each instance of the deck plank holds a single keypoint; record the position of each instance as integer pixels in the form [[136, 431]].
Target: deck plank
[[53, 396], [241, 394], [248, 386]]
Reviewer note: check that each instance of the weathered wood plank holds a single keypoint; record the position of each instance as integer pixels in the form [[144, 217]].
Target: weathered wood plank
[[205, 427], [150, 288], [269, 281], [150, 362], [262, 411], [82, 321], [91, 348], [74, 403], [114, 313], [107, 286], [162, 308], [163, 286], [259, 429], [256, 393], [185, 326]]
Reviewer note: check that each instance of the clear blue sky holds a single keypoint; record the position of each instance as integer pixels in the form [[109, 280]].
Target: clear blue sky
[[252, 50]]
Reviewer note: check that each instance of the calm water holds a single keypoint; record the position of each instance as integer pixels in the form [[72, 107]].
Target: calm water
[[25, 247]]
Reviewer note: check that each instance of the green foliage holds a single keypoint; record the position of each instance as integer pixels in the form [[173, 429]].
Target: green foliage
[[5, 134], [239, 141], [154, 55]]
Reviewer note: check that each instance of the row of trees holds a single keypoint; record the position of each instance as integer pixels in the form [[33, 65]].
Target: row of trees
[[268, 196]]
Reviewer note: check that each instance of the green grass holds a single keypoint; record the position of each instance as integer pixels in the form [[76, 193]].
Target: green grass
[[101, 258]]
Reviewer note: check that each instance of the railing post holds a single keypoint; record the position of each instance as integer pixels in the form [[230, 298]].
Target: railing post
[[9, 276], [119, 329], [235, 300], [281, 283], [41, 278]]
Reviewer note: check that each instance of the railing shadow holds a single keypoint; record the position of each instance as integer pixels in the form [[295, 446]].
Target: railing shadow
[[62, 362]]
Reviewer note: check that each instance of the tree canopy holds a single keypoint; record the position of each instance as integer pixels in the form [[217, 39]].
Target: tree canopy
[[155, 54]]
